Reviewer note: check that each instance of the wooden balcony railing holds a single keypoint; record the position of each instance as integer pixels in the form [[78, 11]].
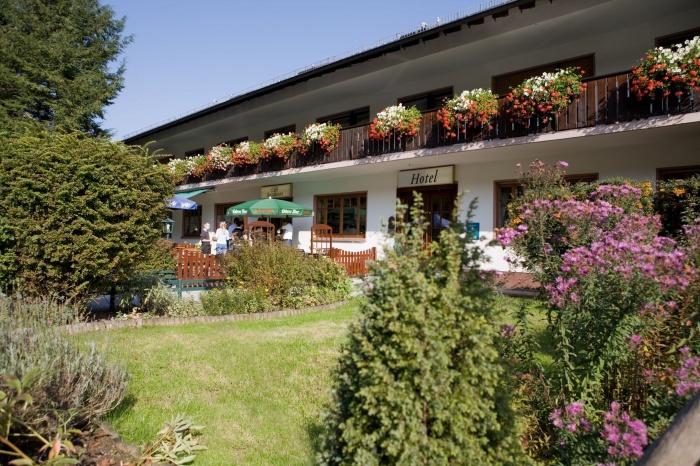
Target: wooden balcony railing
[[606, 100]]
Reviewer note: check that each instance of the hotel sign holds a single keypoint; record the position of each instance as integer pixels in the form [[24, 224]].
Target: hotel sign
[[427, 176], [278, 190]]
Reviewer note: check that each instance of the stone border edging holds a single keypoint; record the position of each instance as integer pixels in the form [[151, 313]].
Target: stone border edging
[[172, 321]]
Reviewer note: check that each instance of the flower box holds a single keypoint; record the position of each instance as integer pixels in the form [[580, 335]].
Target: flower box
[[470, 109], [395, 122], [543, 98], [322, 135], [665, 71]]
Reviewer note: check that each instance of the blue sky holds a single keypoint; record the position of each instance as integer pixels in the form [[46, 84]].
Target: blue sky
[[188, 53]]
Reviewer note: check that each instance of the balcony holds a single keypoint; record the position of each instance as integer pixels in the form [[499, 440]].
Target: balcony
[[606, 100]]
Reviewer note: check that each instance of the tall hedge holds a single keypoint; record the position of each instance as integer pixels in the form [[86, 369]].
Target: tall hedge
[[81, 211], [419, 379]]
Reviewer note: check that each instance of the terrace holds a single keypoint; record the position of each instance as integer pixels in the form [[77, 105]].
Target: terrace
[[606, 100]]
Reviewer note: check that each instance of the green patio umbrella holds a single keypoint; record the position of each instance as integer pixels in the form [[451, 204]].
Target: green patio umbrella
[[270, 208]]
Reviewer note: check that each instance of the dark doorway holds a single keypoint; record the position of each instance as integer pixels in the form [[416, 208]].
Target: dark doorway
[[438, 203]]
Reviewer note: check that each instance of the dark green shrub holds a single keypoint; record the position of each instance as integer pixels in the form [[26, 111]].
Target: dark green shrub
[[83, 212], [75, 386], [285, 277], [419, 380]]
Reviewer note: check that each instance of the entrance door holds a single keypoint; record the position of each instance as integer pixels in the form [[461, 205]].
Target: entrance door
[[438, 203]]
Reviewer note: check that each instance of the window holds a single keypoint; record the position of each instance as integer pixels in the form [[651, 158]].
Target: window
[[191, 153], [220, 213], [508, 190], [502, 84], [191, 223], [678, 38], [359, 116], [428, 101], [346, 214], [235, 142], [282, 130], [677, 173]]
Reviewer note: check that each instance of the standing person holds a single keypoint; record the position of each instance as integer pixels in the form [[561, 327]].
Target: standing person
[[222, 238], [204, 238], [288, 231]]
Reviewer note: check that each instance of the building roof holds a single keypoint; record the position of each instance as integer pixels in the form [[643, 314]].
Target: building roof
[[395, 43]]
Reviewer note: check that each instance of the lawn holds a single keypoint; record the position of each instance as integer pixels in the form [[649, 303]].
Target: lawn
[[258, 387]]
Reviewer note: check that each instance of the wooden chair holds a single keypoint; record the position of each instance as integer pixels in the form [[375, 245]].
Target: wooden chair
[[261, 231], [321, 239]]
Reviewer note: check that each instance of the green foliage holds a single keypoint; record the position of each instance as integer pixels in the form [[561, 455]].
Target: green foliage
[[225, 301], [622, 318], [419, 379], [678, 204], [83, 212], [14, 399], [275, 275], [175, 444], [8, 257], [57, 62], [70, 387]]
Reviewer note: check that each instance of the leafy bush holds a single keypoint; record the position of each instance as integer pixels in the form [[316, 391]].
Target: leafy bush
[[279, 275], [622, 323], [74, 387], [225, 301], [83, 211], [419, 379]]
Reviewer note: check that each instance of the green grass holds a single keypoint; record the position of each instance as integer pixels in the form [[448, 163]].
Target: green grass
[[258, 387]]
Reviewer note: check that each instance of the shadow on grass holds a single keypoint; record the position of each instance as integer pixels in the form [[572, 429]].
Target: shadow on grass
[[314, 429], [123, 408]]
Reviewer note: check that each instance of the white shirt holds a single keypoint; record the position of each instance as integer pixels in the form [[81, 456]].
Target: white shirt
[[222, 235], [288, 231]]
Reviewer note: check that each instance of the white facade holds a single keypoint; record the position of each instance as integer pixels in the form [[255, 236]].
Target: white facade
[[466, 54]]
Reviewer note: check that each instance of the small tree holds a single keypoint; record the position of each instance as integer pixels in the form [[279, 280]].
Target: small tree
[[419, 379], [82, 211]]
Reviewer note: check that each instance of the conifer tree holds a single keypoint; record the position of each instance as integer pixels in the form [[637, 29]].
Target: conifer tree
[[57, 62], [419, 380]]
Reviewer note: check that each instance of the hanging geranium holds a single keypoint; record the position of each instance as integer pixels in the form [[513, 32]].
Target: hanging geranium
[[220, 157], [668, 70], [395, 122], [178, 169], [545, 96], [279, 146], [197, 165], [467, 110], [325, 135], [246, 153]]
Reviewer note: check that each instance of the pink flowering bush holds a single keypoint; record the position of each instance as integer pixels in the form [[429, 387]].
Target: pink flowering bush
[[623, 322], [613, 437]]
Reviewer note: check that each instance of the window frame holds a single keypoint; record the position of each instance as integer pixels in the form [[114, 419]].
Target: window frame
[[351, 115], [281, 130], [671, 173], [193, 152], [517, 189], [340, 197], [187, 218], [528, 73], [235, 142], [668, 41], [430, 97]]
